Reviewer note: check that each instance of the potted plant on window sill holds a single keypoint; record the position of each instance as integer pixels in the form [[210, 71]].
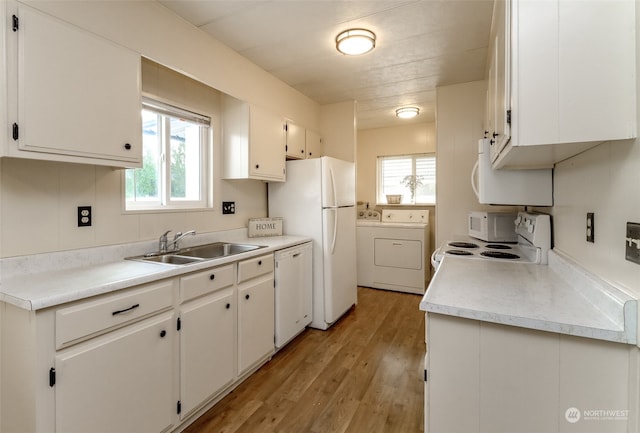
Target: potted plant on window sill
[[412, 182]]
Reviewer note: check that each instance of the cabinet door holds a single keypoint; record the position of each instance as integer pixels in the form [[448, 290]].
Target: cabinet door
[[499, 78], [120, 382], [207, 348], [78, 94], [266, 154], [296, 138], [255, 322], [313, 144]]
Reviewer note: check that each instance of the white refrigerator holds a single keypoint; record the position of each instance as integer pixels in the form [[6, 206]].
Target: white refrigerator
[[318, 201]]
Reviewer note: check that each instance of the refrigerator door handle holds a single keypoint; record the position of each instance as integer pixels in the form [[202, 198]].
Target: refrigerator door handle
[[335, 230], [333, 188]]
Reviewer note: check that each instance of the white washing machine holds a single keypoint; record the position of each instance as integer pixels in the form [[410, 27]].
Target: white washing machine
[[392, 252]]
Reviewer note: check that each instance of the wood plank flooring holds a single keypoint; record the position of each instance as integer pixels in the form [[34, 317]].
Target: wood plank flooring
[[363, 375]]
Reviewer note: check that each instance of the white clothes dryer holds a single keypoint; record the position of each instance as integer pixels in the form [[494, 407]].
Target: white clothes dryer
[[392, 252]]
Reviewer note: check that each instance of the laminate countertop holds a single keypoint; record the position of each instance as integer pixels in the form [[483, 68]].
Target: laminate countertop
[[560, 297], [67, 276]]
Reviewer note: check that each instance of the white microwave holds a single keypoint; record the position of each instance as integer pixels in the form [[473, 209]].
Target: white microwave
[[493, 226], [510, 187]]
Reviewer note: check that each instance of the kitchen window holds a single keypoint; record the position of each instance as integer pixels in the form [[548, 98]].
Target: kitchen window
[[174, 172], [412, 176]]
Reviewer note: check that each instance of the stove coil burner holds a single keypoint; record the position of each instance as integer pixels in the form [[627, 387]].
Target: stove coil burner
[[498, 246], [499, 255], [459, 253], [462, 245]]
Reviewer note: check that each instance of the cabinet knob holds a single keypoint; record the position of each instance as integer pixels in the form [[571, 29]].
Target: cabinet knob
[[495, 134], [302, 151], [260, 263], [212, 277], [163, 333], [310, 153], [492, 142], [257, 166], [228, 306], [127, 146], [247, 296]]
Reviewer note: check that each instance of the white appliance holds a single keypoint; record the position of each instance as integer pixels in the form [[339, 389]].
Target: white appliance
[[534, 242], [492, 226], [318, 201], [293, 292], [532, 187], [393, 252]]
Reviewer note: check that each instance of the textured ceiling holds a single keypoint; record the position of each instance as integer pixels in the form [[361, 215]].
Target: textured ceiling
[[420, 44]]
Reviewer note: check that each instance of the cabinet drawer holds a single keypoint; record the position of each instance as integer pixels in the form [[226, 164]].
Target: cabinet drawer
[[205, 282], [90, 317], [252, 268]]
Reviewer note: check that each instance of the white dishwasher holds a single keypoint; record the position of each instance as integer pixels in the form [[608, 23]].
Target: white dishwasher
[[392, 252], [293, 292]]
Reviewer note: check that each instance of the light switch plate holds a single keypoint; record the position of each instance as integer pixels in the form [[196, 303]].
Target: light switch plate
[[632, 251], [228, 207]]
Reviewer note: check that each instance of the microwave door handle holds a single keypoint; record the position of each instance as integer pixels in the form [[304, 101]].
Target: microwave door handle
[[473, 179]]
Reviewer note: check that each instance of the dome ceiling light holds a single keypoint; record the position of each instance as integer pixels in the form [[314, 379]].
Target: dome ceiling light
[[354, 42], [407, 112]]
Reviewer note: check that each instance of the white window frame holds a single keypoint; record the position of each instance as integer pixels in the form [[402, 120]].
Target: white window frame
[[165, 202], [406, 199]]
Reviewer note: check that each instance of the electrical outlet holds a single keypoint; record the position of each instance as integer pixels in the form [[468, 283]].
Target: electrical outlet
[[84, 216], [590, 228], [632, 251], [228, 207]]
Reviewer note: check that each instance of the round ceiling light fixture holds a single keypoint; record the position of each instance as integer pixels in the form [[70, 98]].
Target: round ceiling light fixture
[[354, 42], [407, 112]]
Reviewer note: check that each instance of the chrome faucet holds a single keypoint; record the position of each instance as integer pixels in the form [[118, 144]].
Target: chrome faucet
[[179, 236], [162, 242]]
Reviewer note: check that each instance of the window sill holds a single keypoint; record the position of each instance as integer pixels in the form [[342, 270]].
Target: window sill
[[406, 205]]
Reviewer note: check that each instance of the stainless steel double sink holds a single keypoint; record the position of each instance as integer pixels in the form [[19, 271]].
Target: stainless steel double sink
[[197, 253]]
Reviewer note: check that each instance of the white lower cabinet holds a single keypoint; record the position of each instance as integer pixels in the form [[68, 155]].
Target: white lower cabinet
[[207, 338], [145, 359], [485, 377], [120, 382], [255, 312]]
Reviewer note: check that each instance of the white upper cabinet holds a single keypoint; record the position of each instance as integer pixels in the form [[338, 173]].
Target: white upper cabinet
[[313, 144], [72, 96], [302, 143], [296, 141], [569, 79], [252, 143]]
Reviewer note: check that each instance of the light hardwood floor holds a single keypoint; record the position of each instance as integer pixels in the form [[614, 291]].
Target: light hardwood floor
[[363, 375]]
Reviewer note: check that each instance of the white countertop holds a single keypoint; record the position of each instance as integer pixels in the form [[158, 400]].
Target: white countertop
[[37, 290], [559, 297]]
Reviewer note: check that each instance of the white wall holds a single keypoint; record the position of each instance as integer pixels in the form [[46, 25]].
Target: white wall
[[338, 130], [38, 199], [395, 140], [604, 180], [459, 120]]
